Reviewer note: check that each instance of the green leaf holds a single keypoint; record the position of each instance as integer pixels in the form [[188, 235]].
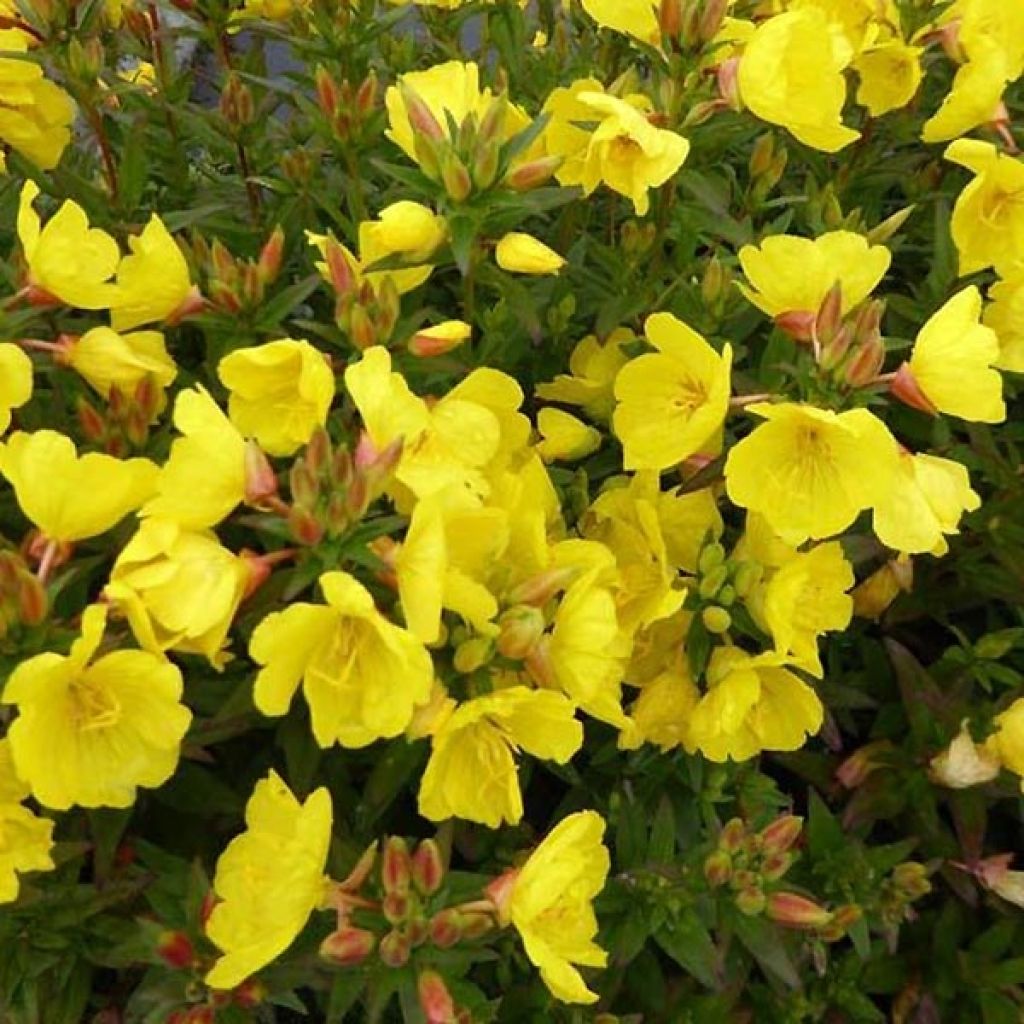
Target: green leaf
[[766, 945], [346, 989], [688, 942]]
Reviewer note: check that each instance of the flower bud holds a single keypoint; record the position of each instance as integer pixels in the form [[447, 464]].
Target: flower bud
[[718, 868], [713, 581], [499, 892], [907, 390], [357, 877], [475, 924], [834, 351], [471, 654], [716, 620], [250, 994], [366, 94], [455, 178], [427, 867], [794, 911], [396, 866], [911, 879], [533, 174], [327, 93], [775, 865], [830, 313], [761, 155], [751, 901], [269, 264], [303, 484], [714, 282], [260, 479], [348, 946], [727, 79], [539, 589], [175, 949], [32, 600], [394, 949], [493, 121], [712, 19], [360, 329], [439, 340], [92, 423], [881, 233], [395, 907], [435, 999], [339, 267], [867, 361], [421, 119], [733, 836], [781, 834], [521, 627], [711, 557], [799, 324], [670, 18], [304, 527], [747, 576], [445, 928]]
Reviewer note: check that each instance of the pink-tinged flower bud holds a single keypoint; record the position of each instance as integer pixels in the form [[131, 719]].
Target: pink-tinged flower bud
[[223, 296], [366, 94], [339, 267], [521, 628], [475, 924], [445, 928], [533, 174], [304, 527], [439, 340], [260, 479], [775, 865], [761, 155], [499, 892], [727, 78], [750, 901], [361, 331], [830, 313], [417, 929], [396, 866], [733, 836], [539, 589], [435, 999], [794, 911], [269, 265], [781, 834], [455, 177], [847, 916], [327, 93], [175, 949], [670, 18], [427, 867], [861, 763], [250, 994], [712, 18], [395, 907], [908, 391], [303, 484], [348, 946], [32, 601], [493, 121], [394, 949], [835, 350], [93, 425], [421, 119], [718, 868], [318, 450], [798, 324]]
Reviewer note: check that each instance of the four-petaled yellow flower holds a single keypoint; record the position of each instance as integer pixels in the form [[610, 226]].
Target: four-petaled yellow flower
[[26, 841], [672, 403], [268, 880], [15, 382], [362, 675], [471, 773], [110, 360], [91, 732]]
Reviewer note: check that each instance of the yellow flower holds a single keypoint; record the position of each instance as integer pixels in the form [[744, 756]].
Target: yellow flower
[[988, 218], [890, 74], [752, 704], [926, 501], [672, 403], [440, 339], [362, 675], [519, 253], [585, 653], [179, 589], [471, 773], [107, 359], [269, 880], [565, 438], [791, 74], [70, 497], [67, 259], [628, 153], [806, 597], [550, 904], [973, 99], [203, 478], [405, 230], [91, 732], [15, 382], [990, 23], [636, 18], [451, 88], [804, 469], [26, 842], [789, 274], [590, 383], [964, 763], [952, 362], [1005, 315], [1007, 743], [153, 279], [873, 597], [661, 714], [280, 393]]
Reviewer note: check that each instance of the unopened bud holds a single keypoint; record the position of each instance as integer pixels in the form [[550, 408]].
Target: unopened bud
[[361, 331], [905, 387], [421, 119], [326, 91], [718, 868], [775, 865], [485, 164], [455, 178], [911, 879], [175, 949], [521, 628], [746, 577], [761, 155], [348, 946], [445, 928], [881, 233], [727, 79], [533, 174], [260, 479], [733, 836], [366, 94], [834, 351], [716, 620], [92, 423], [32, 601], [471, 654], [427, 867], [795, 911], [439, 340], [713, 284], [713, 581], [394, 949], [396, 866], [339, 267], [250, 994], [395, 907], [861, 763], [303, 484], [269, 265], [357, 877], [712, 19], [475, 924], [670, 18], [830, 313], [435, 999], [781, 834], [304, 526], [750, 902], [493, 122], [797, 323]]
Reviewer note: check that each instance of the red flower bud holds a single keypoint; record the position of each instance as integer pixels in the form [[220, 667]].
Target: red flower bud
[[435, 999], [175, 949], [427, 867], [348, 946], [394, 949], [795, 911], [445, 928], [781, 834], [396, 866]]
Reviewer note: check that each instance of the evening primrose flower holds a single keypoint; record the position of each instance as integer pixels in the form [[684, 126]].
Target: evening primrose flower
[[806, 597], [803, 469], [671, 403], [107, 359], [564, 438], [661, 714], [590, 383], [203, 478], [752, 704], [26, 841], [636, 18], [988, 218], [404, 230], [890, 75], [280, 393], [153, 280], [1007, 742], [15, 382], [973, 98], [471, 773], [789, 274], [269, 880], [69, 497], [91, 732], [519, 253], [791, 74], [549, 902], [362, 675], [951, 364], [1005, 315], [927, 498], [67, 260]]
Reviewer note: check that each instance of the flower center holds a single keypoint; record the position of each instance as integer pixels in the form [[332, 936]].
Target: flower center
[[93, 706]]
